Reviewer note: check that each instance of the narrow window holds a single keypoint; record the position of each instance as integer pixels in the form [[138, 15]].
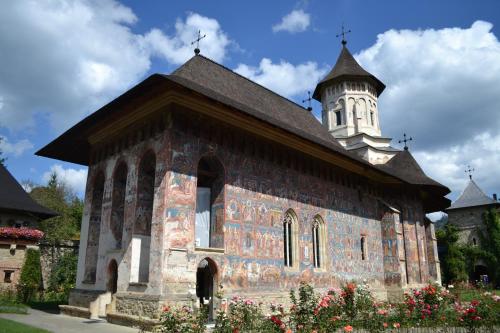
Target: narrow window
[[363, 248], [338, 118], [371, 118], [288, 238], [316, 243], [209, 224], [474, 241]]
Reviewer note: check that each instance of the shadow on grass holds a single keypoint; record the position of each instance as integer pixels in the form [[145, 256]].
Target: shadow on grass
[[46, 306]]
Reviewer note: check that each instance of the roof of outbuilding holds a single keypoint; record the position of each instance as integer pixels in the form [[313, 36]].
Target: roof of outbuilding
[[14, 198], [346, 68], [472, 196]]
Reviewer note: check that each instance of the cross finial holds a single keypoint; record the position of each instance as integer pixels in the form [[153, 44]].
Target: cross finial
[[343, 33], [469, 171], [197, 41], [405, 140], [308, 99]]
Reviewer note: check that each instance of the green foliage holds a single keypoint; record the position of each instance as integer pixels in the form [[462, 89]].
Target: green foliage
[[183, 320], [302, 311], [10, 304], [490, 243], [61, 199], [453, 263], [63, 275], [31, 276]]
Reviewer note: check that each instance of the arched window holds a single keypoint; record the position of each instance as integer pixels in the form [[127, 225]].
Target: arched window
[[338, 117], [290, 239], [141, 238], [474, 241], [319, 242], [371, 118], [209, 222], [118, 203], [94, 231], [363, 247]]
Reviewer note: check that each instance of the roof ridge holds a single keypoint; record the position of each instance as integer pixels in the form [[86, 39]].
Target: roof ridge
[[244, 77]]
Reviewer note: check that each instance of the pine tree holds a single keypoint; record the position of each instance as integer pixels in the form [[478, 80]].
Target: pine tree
[[453, 263], [490, 243]]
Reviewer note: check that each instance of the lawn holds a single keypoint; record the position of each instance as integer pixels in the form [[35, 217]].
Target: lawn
[[10, 326]]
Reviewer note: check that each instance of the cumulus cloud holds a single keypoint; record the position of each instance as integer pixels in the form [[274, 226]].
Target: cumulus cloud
[[15, 149], [442, 88], [76, 179], [293, 22], [177, 49], [66, 58], [283, 77]]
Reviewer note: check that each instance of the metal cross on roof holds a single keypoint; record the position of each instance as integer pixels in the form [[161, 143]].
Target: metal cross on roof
[[343, 33], [197, 41], [309, 108], [405, 141], [469, 171]]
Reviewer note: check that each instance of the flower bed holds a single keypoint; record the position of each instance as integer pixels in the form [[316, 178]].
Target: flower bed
[[27, 234], [351, 308]]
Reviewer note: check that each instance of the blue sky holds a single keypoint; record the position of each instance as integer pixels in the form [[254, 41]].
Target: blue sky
[[440, 61]]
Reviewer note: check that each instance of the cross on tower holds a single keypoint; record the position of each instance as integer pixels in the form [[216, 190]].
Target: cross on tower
[[405, 141], [197, 41], [309, 108], [343, 33], [469, 171]]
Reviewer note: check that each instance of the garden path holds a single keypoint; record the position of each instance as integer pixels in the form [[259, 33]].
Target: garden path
[[58, 323]]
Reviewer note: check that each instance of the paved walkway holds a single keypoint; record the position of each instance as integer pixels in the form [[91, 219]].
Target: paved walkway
[[58, 323]]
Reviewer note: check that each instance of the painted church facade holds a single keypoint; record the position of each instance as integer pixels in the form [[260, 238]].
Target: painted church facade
[[203, 181]]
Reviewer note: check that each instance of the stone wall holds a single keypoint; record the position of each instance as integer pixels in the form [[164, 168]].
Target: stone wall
[[50, 255], [468, 220], [12, 257]]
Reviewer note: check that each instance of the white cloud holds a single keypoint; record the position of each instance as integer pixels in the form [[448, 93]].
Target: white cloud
[[442, 89], [74, 178], [16, 148], [284, 78], [177, 49], [295, 21], [65, 59]]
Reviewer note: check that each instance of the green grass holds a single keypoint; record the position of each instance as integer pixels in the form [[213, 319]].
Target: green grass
[[10, 326], [467, 295], [13, 307]]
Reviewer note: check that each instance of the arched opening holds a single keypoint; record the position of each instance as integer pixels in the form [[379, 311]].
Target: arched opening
[[118, 203], [94, 231], [319, 242], [206, 284], [112, 283], [141, 238], [209, 222], [290, 239]]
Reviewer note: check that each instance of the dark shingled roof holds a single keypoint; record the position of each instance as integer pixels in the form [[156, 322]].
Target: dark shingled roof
[[347, 68], [404, 166], [14, 198], [219, 83], [472, 196]]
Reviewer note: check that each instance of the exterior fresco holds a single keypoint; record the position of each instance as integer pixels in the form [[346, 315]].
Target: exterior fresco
[[260, 183]]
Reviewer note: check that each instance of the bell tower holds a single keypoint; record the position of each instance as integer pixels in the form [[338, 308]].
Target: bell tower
[[349, 99]]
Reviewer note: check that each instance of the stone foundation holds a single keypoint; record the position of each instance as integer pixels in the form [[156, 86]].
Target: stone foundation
[[138, 305]]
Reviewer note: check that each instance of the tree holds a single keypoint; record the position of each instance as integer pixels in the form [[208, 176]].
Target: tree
[[2, 159], [31, 276], [489, 237], [453, 264], [60, 198]]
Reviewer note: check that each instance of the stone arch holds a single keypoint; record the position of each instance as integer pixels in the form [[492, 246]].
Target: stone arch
[[207, 281], [209, 221], [141, 238], [94, 229], [112, 279], [118, 202]]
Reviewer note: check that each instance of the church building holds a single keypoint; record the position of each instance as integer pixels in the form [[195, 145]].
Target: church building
[[203, 181]]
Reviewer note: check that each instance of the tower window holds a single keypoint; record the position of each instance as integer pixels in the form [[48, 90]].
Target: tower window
[[338, 118], [7, 278], [371, 118]]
